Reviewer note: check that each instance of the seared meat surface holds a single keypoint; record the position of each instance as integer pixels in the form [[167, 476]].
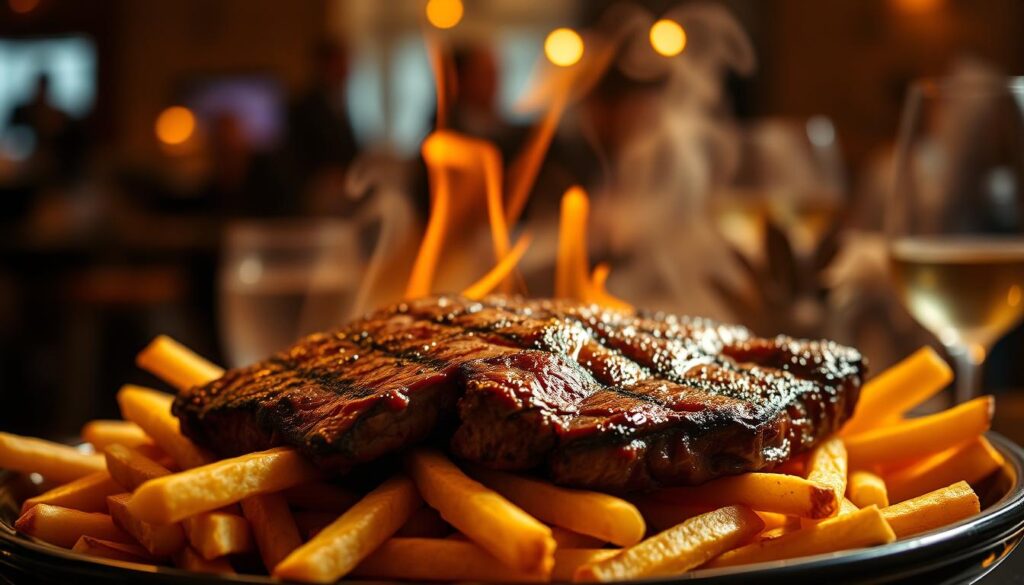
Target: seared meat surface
[[597, 398]]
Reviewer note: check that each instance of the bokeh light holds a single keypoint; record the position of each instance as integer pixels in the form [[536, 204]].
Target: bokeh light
[[667, 37], [175, 125], [22, 6], [444, 13], [563, 47]]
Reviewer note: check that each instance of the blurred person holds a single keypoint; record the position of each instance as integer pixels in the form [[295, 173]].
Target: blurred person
[[320, 142], [59, 149], [244, 182]]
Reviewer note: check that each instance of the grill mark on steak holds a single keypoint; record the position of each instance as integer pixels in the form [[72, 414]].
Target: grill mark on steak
[[537, 382]]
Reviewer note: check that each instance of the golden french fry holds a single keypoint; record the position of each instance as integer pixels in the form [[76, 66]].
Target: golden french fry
[[569, 560], [130, 469], [338, 548], [190, 560], [971, 462], [887, 396], [218, 534], [920, 437], [160, 540], [766, 492], [499, 526], [568, 539], [88, 494], [175, 364], [64, 526], [56, 462], [174, 497], [438, 559], [602, 516], [425, 522], [859, 529], [845, 507], [678, 549], [827, 466], [118, 551], [773, 520], [932, 510], [101, 433], [273, 527], [320, 496], [867, 489], [151, 410]]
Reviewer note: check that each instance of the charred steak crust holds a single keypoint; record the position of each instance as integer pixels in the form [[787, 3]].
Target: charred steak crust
[[600, 399]]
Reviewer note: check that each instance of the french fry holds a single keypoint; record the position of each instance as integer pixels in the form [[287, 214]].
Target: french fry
[[887, 396], [175, 364], [130, 469], [971, 462], [862, 528], [867, 489], [55, 462], [774, 520], [497, 525], [845, 507], [64, 526], [766, 492], [678, 549], [310, 523], [87, 494], [438, 559], [337, 549], [425, 522], [321, 496], [218, 534], [569, 560], [932, 510], [118, 551], [920, 437], [173, 498], [101, 433], [602, 516], [151, 410], [568, 539], [159, 540], [273, 527], [827, 466], [190, 560]]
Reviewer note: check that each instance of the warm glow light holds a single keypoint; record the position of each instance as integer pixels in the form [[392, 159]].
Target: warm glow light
[[23, 6], [500, 272], [175, 125], [444, 13], [563, 47], [917, 6], [668, 38]]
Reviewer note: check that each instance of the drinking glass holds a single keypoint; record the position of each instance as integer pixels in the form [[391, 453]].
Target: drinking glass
[[281, 279], [956, 215], [789, 173]]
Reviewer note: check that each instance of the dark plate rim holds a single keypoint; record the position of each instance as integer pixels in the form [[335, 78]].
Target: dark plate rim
[[1001, 521]]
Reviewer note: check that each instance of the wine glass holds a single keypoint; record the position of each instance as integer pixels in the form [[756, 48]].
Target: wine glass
[[788, 172], [281, 279], [956, 215]]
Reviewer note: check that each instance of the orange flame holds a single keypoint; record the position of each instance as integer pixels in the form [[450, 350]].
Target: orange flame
[[572, 278], [501, 270]]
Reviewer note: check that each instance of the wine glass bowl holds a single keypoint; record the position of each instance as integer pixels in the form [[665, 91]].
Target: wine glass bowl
[[956, 215]]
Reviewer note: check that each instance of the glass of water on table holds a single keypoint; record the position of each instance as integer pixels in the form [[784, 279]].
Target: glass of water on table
[[956, 215]]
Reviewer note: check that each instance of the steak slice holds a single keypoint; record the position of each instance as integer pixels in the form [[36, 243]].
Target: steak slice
[[597, 398]]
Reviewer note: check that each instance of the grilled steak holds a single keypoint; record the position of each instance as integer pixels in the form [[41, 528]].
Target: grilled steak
[[600, 399]]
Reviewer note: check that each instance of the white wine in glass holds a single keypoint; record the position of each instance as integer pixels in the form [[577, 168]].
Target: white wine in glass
[[956, 242]]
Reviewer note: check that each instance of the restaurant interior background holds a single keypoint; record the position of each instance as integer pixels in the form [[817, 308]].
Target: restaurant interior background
[[236, 173]]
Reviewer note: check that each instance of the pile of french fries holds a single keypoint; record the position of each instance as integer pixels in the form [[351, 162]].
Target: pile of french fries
[[145, 493]]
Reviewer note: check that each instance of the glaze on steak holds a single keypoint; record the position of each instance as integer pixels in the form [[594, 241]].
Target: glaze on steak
[[597, 398]]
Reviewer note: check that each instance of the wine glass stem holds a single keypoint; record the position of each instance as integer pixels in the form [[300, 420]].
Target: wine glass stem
[[968, 360]]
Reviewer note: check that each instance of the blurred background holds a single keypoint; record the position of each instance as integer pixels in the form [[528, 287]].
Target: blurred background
[[237, 173]]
